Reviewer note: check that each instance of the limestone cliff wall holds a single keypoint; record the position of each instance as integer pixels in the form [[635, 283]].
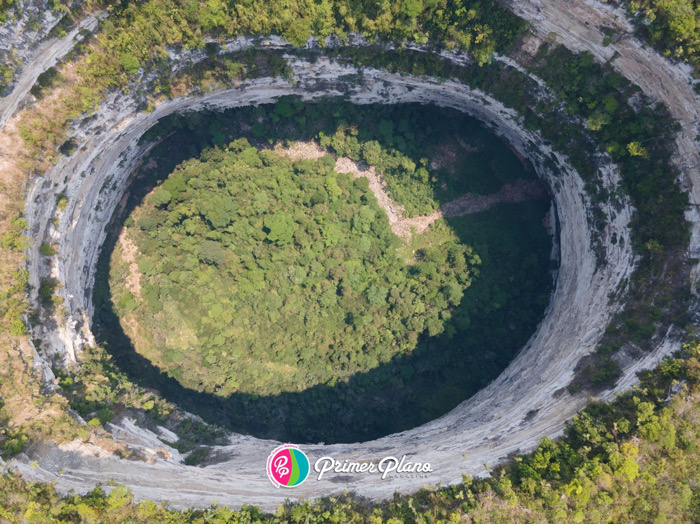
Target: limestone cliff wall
[[511, 414]]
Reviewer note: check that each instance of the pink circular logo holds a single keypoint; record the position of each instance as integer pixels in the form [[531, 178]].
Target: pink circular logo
[[287, 466]]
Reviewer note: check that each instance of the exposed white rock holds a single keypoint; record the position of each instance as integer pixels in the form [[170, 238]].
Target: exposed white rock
[[35, 50], [167, 435], [144, 440], [28, 22]]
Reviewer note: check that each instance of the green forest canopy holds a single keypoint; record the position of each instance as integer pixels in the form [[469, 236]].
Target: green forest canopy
[[141, 32], [672, 26], [266, 275]]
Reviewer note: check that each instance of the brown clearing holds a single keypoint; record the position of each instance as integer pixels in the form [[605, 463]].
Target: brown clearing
[[128, 254]]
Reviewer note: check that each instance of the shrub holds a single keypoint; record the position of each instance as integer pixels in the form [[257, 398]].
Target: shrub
[[47, 250]]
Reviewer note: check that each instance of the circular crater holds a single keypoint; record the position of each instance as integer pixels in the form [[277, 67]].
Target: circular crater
[[512, 413], [360, 280]]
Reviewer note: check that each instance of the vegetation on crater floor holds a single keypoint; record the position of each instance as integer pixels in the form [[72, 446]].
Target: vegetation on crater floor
[[261, 274]]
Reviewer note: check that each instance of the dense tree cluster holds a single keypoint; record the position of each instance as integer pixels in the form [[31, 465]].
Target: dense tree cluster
[[672, 26], [426, 155], [637, 139], [264, 275], [136, 36]]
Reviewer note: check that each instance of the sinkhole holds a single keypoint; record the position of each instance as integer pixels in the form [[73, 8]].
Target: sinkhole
[[324, 271]]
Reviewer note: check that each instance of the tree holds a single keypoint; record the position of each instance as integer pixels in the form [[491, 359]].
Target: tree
[[280, 228], [161, 197], [148, 223], [299, 31], [212, 253], [130, 63], [363, 220], [376, 296], [372, 152], [637, 149], [680, 17], [597, 120]]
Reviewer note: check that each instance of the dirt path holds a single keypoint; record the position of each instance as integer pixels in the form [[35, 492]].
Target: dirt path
[[403, 226], [394, 211], [470, 203]]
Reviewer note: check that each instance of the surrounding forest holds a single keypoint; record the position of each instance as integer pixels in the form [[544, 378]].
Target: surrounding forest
[[672, 26], [318, 262]]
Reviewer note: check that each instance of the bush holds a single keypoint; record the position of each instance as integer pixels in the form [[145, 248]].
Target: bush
[[47, 250], [13, 445], [46, 291], [198, 456], [61, 201], [129, 63]]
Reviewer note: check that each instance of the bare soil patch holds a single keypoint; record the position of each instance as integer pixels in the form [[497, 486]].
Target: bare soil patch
[[301, 151], [128, 254]]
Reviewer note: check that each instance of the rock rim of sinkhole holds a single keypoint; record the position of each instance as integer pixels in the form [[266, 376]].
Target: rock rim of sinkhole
[[510, 415]]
